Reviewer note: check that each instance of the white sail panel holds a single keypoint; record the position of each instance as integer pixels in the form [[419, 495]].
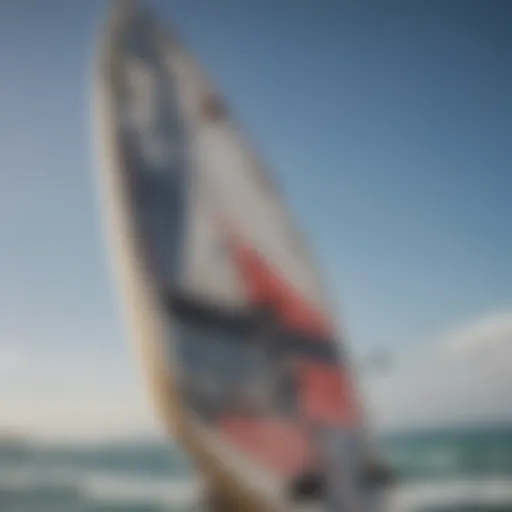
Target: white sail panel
[[204, 269], [207, 270], [237, 185]]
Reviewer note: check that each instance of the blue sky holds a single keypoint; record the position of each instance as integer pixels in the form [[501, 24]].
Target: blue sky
[[386, 123]]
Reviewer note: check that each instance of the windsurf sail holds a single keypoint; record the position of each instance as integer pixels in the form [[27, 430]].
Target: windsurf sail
[[222, 296]]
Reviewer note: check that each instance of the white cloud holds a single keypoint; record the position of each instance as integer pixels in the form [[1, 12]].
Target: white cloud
[[66, 396], [68, 414], [466, 376], [489, 333], [11, 360]]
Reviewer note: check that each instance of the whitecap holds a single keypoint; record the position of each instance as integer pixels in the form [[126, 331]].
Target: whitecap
[[111, 488], [456, 493]]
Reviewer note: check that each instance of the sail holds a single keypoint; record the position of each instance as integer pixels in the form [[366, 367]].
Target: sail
[[225, 292]]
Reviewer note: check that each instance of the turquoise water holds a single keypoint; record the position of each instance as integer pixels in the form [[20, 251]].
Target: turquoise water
[[441, 454], [149, 477], [463, 470]]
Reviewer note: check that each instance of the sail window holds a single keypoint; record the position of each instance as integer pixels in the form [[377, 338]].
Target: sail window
[[239, 363]]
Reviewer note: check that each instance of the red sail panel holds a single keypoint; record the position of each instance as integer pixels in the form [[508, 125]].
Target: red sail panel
[[327, 395], [272, 442], [265, 287]]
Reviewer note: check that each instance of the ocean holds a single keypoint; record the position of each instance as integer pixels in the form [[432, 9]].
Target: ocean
[[450, 470]]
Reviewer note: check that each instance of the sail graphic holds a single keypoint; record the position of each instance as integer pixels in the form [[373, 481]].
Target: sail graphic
[[221, 294]]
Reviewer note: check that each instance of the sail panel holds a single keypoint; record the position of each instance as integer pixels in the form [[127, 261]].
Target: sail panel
[[208, 272], [152, 141], [244, 197]]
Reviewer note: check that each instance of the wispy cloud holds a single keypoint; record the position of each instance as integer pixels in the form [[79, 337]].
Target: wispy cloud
[[78, 416], [47, 395], [488, 334], [466, 376], [11, 359]]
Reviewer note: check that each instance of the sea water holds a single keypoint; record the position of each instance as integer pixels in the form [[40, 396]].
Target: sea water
[[463, 470], [105, 477], [456, 470]]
